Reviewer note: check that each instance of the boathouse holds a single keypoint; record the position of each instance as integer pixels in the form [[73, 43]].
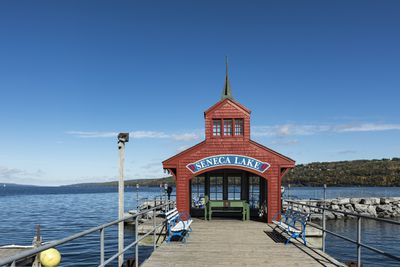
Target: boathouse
[[228, 165]]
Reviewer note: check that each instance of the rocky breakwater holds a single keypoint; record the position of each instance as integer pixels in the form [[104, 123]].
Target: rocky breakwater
[[385, 207]]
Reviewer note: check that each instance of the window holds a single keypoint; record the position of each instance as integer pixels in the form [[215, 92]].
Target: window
[[254, 192], [227, 126], [234, 186], [238, 126], [197, 186], [216, 187], [216, 127]]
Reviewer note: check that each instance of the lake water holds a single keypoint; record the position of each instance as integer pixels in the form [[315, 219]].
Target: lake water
[[62, 211]]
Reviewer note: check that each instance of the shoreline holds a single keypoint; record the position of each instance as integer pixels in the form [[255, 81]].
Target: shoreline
[[376, 207]]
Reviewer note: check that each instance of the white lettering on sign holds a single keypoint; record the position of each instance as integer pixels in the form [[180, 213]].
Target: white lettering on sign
[[228, 160]]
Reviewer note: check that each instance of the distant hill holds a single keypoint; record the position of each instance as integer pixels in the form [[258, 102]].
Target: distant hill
[[141, 182], [383, 172]]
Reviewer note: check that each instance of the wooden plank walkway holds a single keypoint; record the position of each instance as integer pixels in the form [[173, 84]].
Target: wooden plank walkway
[[235, 243]]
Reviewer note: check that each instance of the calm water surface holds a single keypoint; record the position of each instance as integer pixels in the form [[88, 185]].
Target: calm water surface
[[66, 211], [62, 211]]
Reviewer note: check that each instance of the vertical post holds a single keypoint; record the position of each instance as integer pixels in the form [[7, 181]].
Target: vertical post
[[324, 221], [137, 198], [161, 186], [358, 241], [165, 195], [122, 138], [102, 245], [154, 228], [137, 243], [288, 192]]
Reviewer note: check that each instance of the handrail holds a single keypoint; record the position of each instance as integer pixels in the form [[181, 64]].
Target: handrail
[[101, 228], [358, 241]]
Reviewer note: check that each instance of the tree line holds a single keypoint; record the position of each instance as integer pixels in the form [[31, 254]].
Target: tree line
[[377, 172]]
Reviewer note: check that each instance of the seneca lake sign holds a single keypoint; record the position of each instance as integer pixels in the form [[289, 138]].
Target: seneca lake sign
[[228, 160]]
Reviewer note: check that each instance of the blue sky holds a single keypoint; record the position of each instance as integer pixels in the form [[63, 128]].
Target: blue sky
[[322, 79]]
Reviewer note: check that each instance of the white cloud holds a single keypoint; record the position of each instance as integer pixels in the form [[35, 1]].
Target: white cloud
[[93, 134], [186, 137], [285, 142], [137, 135], [15, 175], [148, 134], [368, 127], [311, 129]]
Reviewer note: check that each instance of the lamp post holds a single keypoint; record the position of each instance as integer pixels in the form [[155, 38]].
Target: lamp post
[[122, 139]]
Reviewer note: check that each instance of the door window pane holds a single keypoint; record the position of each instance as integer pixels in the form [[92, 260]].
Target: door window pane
[[227, 127], [197, 192], [254, 192], [234, 187], [216, 127], [216, 187]]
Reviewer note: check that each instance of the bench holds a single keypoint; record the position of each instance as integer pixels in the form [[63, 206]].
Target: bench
[[239, 206], [293, 223], [178, 224]]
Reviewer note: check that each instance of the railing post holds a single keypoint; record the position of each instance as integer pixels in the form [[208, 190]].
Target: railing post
[[324, 221], [358, 241], [137, 197], [154, 228], [102, 245], [137, 243]]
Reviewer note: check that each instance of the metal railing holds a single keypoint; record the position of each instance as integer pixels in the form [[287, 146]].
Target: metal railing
[[157, 200], [359, 217], [101, 229]]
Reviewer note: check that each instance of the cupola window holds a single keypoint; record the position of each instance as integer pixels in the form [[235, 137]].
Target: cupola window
[[238, 126], [227, 127], [216, 127]]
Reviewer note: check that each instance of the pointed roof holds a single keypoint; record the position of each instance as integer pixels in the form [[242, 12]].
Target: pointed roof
[[226, 92], [228, 100]]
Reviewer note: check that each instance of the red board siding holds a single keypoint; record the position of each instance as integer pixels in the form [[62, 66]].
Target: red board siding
[[228, 145]]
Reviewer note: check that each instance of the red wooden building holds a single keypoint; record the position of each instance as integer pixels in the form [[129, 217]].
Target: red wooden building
[[228, 164]]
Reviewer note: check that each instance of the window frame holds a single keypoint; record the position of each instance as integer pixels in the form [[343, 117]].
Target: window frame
[[227, 124], [214, 133], [234, 127], [254, 191], [197, 189], [222, 127]]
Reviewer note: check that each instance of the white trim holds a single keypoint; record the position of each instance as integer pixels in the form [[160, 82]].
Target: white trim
[[231, 164]]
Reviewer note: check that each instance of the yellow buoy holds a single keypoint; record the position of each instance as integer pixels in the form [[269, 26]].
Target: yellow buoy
[[50, 257]]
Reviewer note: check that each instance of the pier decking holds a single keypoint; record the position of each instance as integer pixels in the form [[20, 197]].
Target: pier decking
[[235, 243]]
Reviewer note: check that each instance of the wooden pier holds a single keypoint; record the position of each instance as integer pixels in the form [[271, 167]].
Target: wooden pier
[[235, 243]]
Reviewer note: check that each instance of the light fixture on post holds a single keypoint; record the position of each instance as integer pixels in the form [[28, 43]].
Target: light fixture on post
[[122, 139]]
